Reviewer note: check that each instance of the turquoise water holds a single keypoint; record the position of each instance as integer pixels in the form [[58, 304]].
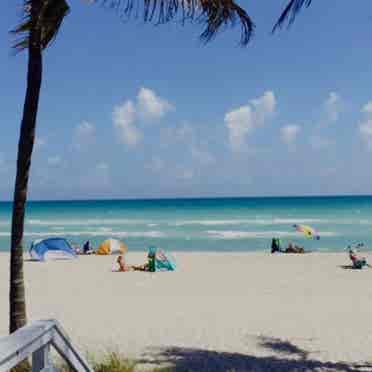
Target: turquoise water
[[223, 224]]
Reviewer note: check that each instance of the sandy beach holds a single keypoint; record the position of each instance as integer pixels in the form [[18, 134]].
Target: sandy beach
[[217, 312]]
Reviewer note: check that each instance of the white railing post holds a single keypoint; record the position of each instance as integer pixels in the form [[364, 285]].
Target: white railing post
[[36, 340], [40, 359]]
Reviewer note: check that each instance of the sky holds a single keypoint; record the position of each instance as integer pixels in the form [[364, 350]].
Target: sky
[[134, 110]]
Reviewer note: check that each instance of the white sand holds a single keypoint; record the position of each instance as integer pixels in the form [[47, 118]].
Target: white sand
[[275, 312]]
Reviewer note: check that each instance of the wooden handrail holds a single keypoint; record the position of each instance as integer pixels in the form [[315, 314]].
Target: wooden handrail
[[35, 340]]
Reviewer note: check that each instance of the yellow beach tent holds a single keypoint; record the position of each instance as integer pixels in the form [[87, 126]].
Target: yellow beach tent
[[111, 246]]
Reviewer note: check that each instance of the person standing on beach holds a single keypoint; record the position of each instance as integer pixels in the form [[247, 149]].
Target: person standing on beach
[[275, 245]]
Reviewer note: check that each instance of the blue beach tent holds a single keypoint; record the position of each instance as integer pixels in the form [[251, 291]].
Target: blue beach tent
[[52, 248]]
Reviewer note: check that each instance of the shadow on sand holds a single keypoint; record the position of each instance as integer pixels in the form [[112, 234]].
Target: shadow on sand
[[347, 267], [351, 267], [287, 358]]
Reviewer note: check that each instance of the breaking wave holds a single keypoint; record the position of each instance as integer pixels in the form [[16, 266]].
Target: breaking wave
[[84, 222], [196, 222], [252, 221], [228, 234], [116, 234]]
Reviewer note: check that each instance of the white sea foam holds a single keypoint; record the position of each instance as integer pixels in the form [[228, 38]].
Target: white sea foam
[[250, 221], [200, 222], [117, 234], [229, 234], [208, 222], [284, 221], [105, 229], [84, 222]]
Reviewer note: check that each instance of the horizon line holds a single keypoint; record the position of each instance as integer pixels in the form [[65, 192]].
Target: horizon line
[[196, 198]]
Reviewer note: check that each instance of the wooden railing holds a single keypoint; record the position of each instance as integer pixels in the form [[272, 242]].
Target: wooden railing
[[36, 340]]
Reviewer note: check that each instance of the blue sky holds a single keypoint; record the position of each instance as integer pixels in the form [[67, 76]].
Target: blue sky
[[130, 110]]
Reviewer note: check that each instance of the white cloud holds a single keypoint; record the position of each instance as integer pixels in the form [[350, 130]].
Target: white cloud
[[150, 105], [365, 130], [84, 135], [318, 142], [54, 160], [239, 123], [124, 122], [264, 106], [333, 106], [289, 133], [127, 116], [365, 127], [243, 120]]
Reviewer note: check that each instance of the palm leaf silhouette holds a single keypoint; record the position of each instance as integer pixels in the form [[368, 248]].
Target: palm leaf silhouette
[[290, 12]]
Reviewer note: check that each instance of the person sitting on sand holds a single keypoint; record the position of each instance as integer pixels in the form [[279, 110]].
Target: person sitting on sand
[[124, 267], [122, 264], [358, 262], [294, 249], [299, 249]]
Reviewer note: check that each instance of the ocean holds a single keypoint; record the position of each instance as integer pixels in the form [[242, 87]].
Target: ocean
[[205, 224]]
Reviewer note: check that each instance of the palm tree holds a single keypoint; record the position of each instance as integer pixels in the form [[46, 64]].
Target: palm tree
[[290, 12], [39, 27], [41, 22]]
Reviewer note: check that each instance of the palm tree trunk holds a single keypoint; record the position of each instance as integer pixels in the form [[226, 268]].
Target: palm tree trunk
[[25, 146]]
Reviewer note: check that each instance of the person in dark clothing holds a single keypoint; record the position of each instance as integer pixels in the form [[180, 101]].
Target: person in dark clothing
[[275, 245], [358, 262], [87, 248]]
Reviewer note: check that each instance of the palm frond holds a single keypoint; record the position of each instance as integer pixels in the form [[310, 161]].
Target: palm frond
[[216, 14], [48, 19], [290, 12]]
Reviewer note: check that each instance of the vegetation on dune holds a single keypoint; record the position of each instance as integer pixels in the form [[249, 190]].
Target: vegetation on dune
[[115, 362], [109, 362]]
